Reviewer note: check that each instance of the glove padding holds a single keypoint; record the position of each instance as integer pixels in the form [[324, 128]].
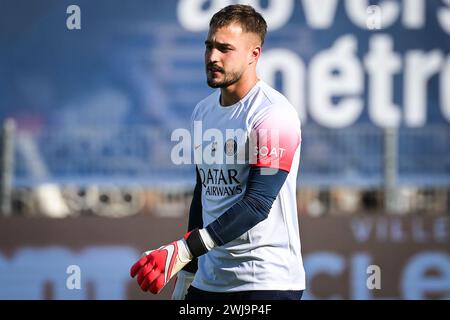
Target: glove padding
[[182, 284], [157, 267]]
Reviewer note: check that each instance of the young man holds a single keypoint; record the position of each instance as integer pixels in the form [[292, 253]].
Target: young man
[[243, 240]]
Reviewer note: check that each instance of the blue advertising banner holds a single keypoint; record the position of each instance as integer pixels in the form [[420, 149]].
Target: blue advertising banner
[[98, 87]]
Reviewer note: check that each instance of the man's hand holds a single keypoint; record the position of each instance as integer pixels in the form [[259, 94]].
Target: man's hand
[[157, 267]]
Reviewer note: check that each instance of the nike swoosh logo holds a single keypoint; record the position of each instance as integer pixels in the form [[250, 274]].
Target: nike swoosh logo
[[196, 147], [170, 249]]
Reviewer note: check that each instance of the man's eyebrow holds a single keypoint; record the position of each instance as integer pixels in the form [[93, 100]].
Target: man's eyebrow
[[219, 44]]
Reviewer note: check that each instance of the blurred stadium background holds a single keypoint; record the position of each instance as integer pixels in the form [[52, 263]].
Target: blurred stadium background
[[87, 116]]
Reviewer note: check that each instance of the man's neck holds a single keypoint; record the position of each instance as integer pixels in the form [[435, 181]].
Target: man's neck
[[234, 93]]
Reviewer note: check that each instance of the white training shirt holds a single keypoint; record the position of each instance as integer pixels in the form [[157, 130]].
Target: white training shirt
[[268, 256]]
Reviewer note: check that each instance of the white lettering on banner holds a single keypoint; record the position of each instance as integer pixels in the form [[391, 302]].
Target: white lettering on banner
[[334, 73], [194, 15], [277, 12], [414, 14], [25, 275], [420, 67], [337, 72], [334, 265], [443, 17], [416, 283], [357, 12], [382, 63], [322, 262], [445, 92], [332, 88], [320, 14], [361, 229], [292, 69], [397, 231], [43, 266], [441, 229]]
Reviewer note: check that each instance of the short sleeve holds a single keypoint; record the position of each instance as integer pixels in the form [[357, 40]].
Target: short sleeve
[[275, 138]]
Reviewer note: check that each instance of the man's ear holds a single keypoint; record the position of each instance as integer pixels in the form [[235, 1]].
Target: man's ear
[[254, 56]]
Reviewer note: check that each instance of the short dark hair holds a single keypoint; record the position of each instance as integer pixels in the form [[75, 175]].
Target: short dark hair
[[249, 19]]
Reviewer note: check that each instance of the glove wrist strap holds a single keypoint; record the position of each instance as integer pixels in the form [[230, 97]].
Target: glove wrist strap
[[195, 243]]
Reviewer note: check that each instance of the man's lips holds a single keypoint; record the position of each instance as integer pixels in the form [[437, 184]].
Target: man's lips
[[215, 69], [215, 73]]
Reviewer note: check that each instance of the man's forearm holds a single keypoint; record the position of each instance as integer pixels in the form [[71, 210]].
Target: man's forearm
[[254, 207]]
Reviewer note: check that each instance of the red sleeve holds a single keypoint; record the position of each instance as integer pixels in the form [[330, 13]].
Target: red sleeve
[[274, 140]]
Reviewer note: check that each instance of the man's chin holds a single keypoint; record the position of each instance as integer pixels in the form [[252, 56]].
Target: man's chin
[[214, 84], [224, 83]]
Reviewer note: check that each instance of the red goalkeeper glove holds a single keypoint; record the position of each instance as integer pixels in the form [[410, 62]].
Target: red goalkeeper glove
[[157, 267]]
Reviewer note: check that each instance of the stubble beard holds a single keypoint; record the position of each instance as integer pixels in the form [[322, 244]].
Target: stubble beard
[[229, 79]]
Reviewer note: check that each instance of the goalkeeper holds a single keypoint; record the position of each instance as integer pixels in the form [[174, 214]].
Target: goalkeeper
[[243, 240]]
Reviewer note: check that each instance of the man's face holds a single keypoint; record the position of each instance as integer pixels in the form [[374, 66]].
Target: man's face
[[228, 54]]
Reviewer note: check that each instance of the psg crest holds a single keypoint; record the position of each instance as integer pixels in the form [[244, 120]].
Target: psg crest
[[230, 147]]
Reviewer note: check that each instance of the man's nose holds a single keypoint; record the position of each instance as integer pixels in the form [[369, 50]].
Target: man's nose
[[213, 55]]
